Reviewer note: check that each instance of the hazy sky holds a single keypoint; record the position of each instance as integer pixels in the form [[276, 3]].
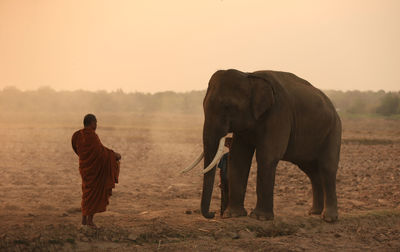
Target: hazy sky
[[176, 45]]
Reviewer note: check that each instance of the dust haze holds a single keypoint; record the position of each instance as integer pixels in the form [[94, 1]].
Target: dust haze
[[154, 207]]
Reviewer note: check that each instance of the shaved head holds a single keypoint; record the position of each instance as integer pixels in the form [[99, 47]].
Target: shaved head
[[89, 119]]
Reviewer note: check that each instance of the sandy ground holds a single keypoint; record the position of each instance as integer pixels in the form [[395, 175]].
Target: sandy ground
[[155, 208]]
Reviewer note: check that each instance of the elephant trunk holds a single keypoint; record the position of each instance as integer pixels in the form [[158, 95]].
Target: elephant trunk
[[211, 146], [208, 181], [208, 184]]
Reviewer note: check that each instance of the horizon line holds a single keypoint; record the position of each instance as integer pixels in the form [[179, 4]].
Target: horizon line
[[121, 90]]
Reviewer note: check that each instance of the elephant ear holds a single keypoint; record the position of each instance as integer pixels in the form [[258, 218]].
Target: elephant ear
[[262, 95]]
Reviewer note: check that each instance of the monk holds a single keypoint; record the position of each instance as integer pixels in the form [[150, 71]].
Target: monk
[[99, 169]]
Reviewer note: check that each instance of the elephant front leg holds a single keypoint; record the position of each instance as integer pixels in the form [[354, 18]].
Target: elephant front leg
[[265, 191], [239, 164]]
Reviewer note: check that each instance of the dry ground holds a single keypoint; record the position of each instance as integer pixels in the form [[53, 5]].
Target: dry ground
[[155, 208]]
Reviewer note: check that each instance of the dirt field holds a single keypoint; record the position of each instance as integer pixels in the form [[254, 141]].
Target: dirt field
[[155, 208]]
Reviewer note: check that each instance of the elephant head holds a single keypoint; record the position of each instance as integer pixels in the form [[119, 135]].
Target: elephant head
[[233, 103]]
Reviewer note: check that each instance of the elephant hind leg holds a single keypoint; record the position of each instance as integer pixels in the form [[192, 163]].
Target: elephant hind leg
[[312, 171], [328, 162], [328, 178]]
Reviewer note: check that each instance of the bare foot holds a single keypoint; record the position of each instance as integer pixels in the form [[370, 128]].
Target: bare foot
[[90, 222], [92, 225]]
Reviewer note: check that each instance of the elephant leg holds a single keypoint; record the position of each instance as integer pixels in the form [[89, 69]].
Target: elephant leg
[[265, 190], [240, 157], [328, 179], [312, 171], [328, 164]]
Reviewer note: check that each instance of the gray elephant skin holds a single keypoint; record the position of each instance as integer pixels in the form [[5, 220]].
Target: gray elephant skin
[[277, 116]]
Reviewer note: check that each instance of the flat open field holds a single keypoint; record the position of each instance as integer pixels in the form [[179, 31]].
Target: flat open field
[[155, 208]]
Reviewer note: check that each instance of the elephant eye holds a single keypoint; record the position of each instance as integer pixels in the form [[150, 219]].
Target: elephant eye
[[226, 109], [229, 110]]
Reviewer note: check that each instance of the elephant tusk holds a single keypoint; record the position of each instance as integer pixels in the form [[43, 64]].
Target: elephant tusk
[[196, 162], [218, 156]]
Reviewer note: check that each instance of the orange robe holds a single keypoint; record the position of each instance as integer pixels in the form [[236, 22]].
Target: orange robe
[[99, 170]]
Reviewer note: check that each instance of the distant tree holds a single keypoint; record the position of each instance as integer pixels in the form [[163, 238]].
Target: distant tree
[[11, 89], [358, 106], [389, 104], [48, 100]]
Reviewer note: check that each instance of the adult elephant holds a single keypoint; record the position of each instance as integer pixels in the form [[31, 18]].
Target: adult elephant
[[281, 117]]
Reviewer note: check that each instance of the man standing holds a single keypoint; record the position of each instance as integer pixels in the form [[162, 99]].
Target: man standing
[[99, 169]]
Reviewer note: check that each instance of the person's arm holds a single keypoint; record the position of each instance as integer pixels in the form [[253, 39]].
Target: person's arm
[[117, 156], [73, 143]]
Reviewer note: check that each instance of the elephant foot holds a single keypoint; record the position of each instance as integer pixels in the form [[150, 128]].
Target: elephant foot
[[261, 215], [234, 212], [315, 210], [329, 215]]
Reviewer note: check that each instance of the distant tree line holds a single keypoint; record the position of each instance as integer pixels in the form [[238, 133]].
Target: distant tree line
[[367, 102], [47, 100]]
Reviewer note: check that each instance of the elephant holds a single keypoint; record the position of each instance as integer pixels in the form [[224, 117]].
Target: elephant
[[278, 116]]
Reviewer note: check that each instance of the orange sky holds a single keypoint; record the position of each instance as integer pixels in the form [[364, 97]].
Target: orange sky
[[152, 46]]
